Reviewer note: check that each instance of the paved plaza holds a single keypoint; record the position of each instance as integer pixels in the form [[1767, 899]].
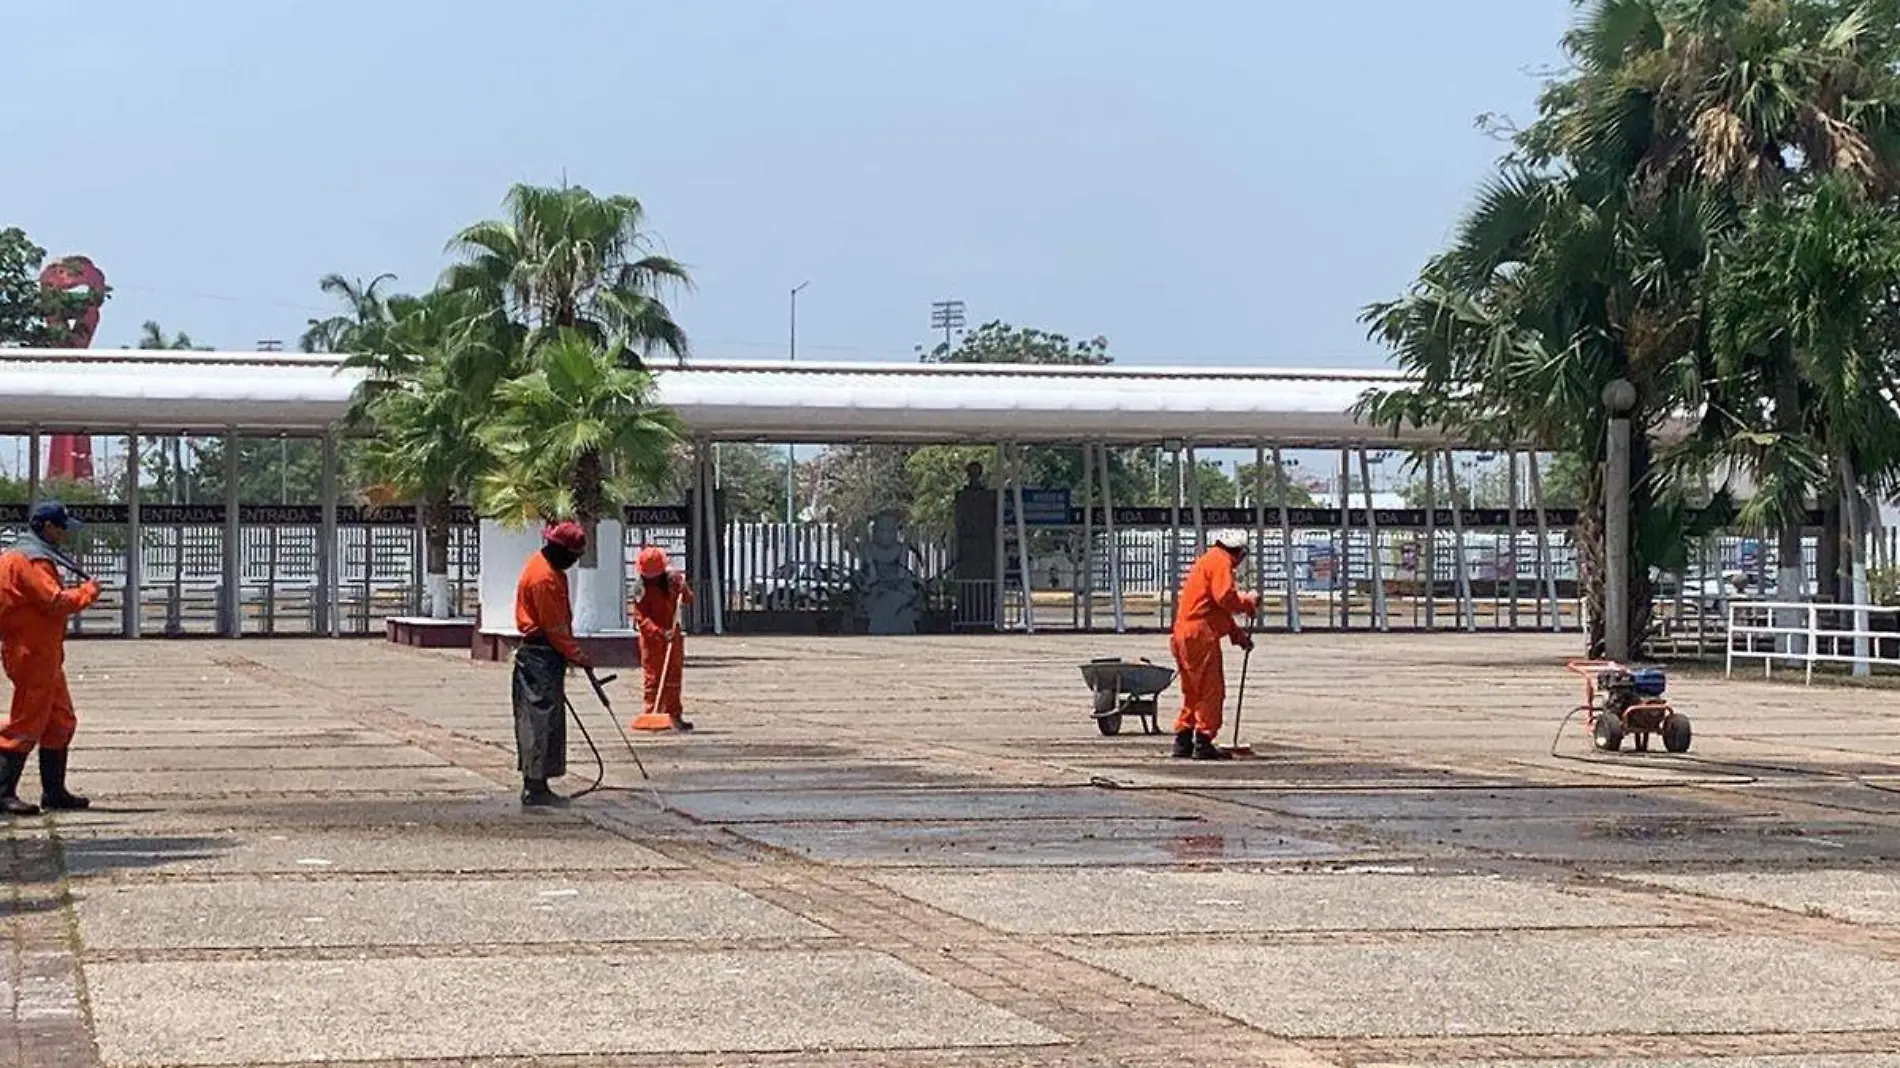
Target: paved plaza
[[921, 852]]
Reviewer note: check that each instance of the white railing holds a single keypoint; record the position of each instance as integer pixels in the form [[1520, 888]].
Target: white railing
[[1797, 633]]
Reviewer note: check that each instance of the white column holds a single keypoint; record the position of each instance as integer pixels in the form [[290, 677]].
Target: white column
[[1259, 541], [1002, 546]]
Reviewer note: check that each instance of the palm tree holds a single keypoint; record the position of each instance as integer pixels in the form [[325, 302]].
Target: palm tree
[[578, 414], [1597, 252], [360, 326], [565, 259], [429, 388]]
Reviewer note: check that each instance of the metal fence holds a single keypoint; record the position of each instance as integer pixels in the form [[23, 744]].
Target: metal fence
[[801, 576]]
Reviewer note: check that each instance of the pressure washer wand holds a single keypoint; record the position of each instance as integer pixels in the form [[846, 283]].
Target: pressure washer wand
[[600, 691]]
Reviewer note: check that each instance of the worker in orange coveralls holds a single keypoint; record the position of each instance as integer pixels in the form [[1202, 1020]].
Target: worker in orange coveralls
[[662, 646], [1208, 603], [34, 607], [545, 617]]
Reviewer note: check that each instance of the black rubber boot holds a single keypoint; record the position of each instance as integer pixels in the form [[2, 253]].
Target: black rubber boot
[[1205, 749], [535, 794], [54, 797], [1183, 744], [11, 768], [682, 724]]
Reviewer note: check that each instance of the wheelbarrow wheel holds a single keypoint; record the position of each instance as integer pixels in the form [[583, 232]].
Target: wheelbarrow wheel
[[1607, 734], [1109, 725], [1676, 733]]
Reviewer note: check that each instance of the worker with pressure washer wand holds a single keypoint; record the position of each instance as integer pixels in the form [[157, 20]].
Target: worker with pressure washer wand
[[1209, 600], [34, 607], [545, 618]]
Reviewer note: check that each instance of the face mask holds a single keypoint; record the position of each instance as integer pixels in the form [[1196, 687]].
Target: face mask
[[561, 558]]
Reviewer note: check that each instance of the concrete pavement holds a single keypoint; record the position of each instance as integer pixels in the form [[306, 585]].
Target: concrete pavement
[[921, 852]]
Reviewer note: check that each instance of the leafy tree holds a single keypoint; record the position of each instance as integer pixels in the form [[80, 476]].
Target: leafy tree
[[29, 310], [998, 342], [565, 259]]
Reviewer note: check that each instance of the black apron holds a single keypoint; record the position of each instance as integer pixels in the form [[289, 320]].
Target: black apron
[[540, 697]]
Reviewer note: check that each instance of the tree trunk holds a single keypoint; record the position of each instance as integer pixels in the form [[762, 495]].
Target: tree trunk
[[589, 503], [1854, 508], [436, 534], [1830, 577], [1590, 558]]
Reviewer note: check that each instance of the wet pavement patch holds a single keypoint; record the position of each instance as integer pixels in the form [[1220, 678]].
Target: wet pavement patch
[[1138, 901], [1525, 984], [812, 777], [1036, 842], [943, 804], [370, 850], [1273, 773], [1481, 803]]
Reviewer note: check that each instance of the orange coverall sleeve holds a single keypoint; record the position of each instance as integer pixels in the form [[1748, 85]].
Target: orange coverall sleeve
[[550, 611], [685, 591], [1227, 595], [644, 622], [40, 587]]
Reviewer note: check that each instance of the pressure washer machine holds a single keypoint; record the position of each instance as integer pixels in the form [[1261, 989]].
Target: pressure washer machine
[[1621, 702]]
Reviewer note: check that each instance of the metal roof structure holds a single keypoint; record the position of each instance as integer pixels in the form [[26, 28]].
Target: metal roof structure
[[97, 391]]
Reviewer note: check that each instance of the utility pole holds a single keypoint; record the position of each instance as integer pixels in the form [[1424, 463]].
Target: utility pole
[[947, 316], [791, 450]]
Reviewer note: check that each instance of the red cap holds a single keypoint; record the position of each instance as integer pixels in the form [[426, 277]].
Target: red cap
[[652, 562], [568, 535]]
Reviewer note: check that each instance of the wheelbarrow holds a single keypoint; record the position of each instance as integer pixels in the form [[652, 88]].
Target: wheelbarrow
[[1126, 688]]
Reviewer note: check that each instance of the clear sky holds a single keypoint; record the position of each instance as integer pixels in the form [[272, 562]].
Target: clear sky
[[1203, 181]]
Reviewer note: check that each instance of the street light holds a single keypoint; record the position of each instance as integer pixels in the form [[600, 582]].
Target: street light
[[791, 450]]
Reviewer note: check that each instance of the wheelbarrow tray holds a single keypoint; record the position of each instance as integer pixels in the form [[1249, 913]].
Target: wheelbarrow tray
[[1135, 678]]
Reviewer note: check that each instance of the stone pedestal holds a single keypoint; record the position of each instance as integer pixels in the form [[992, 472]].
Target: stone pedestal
[[599, 595]]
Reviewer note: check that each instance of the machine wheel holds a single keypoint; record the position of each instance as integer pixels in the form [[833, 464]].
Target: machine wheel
[[1607, 735], [1676, 734], [1109, 725]]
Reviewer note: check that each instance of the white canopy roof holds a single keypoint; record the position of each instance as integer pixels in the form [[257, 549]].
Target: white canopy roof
[[158, 392]]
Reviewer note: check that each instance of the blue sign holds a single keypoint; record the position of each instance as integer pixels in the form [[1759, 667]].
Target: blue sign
[[1041, 507]]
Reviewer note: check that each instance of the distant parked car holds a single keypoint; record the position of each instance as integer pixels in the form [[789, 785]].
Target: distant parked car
[[800, 587]]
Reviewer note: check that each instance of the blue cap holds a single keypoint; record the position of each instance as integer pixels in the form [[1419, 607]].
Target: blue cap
[[53, 513]]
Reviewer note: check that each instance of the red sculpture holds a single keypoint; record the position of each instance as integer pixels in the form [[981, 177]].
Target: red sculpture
[[69, 456]]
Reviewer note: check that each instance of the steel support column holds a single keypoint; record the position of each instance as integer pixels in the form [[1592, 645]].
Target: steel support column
[[1114, 544], [327, 599], [134, 541], [1088, 537], [233, 542], [1467, 612], [1377, 568], [1022, 538], [1286, 548]]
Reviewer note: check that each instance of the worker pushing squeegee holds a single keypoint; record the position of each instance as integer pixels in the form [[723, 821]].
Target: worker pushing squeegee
[[1209, 601]]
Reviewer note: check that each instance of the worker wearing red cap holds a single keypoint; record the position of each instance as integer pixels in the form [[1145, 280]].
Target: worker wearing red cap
[[1204, 615], [662, 646], [545, 617], [34, 607]]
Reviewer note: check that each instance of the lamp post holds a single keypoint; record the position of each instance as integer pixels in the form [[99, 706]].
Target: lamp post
[[1619, 400], [791, 449]]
